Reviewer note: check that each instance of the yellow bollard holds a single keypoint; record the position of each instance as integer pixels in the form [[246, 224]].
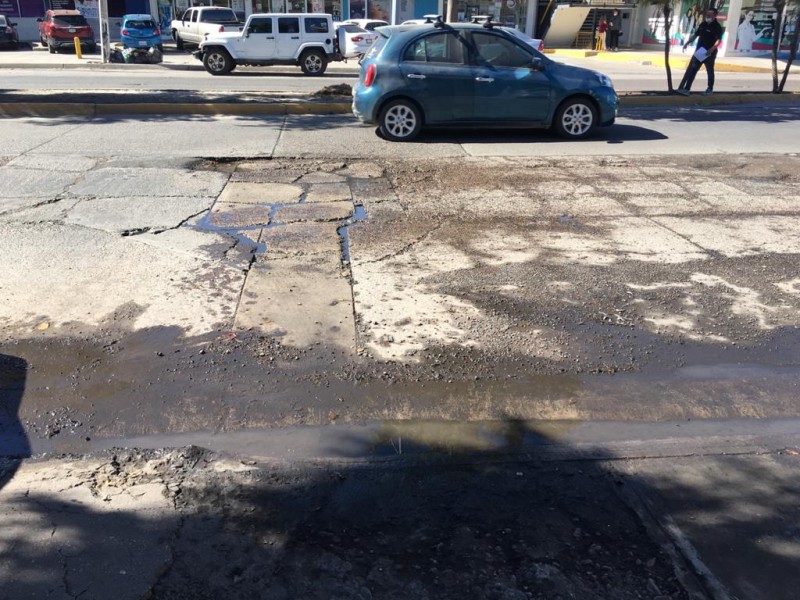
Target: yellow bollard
[[77, 42]]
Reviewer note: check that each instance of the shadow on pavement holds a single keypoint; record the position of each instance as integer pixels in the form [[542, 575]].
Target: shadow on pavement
[[13, 439], [445, 522], [745, 113]]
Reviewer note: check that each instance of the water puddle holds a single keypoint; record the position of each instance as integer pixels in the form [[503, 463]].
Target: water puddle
[[360, 214]]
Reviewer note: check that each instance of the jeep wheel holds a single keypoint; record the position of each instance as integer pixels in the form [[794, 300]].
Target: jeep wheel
[[313, 62], [217, 61], [178, 41], [50, 47]]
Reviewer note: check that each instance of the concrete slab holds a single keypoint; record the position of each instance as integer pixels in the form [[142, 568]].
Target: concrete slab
[[203, 245], [742, 236], [32, 210], [783, 204], [363, 170], [296, 239], [123, 215], [734, 515], [137, 182], [329, 192], [658, 205], [330, 211], [230, 216], [25, 135], [68, 163], [370, 191], [321, 177], [21, 183], [237, 192], [90, 277], [302, 301], [143, 136], [64, 540]]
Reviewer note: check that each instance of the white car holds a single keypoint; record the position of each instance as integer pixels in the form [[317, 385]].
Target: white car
[[368, 24], [532, 42], [425, 20], [353, 40]]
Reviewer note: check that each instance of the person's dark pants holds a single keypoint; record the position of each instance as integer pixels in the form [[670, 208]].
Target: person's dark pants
[[694, 67], [612, 39]]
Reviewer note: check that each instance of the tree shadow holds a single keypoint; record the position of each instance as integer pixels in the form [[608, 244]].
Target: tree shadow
[[14, 444], [718, 113]]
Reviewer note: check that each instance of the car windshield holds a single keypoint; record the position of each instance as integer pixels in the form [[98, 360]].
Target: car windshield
[[374, 24], [140, 24], [69, 20], [219, 16]]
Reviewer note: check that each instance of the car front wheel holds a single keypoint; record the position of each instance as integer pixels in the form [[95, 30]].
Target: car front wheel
[[400, 121], [313, 62], [217, 61], [575, 118]]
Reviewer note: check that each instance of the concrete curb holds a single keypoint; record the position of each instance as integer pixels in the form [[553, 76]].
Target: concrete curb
[[313, 106]]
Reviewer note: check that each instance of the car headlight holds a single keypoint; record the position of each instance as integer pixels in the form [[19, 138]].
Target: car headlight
[[604, 80]]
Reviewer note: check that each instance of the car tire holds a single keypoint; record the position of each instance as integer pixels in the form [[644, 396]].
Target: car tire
[[400, 121], [217, 61], [313, 62], [50, 47], [178, 41], [91, 48], [160, 48], [575, 118]]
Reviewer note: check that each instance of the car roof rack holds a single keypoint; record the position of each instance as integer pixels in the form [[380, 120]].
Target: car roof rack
[[437, 20], [478, 19]]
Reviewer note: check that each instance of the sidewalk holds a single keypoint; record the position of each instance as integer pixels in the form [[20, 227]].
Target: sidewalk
[[328, 100]]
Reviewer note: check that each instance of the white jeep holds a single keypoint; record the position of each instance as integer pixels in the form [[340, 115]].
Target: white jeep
[[304, 39]]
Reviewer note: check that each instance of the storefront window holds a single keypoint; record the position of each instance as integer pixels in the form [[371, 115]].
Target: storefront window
[[511, 13], [380, 10], [334, 8], [357, 9]]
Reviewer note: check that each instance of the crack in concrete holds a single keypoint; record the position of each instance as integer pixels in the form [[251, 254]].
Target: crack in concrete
[[408, 247]]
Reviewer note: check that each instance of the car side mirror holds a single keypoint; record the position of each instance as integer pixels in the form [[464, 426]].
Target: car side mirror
[[537, 64], [39, 20]]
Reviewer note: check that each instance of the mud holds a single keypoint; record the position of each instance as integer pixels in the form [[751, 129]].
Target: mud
[[534, 315]]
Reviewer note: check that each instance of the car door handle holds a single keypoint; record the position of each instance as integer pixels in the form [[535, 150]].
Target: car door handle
[[295, 37], [270, 37], [415, 76], [485, 79]]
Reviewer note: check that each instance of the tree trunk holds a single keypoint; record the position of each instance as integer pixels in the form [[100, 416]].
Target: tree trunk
[[780, 5], [667, 29], [792, 51]]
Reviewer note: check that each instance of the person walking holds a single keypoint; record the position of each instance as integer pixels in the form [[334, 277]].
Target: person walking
[[614, 31], [708, 35], [600, 38]]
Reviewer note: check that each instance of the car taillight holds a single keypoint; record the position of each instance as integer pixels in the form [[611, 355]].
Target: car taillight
[[358, 38], [124, 32], [369, 78], [222, 29], [541, 46], [9, 30], [156, 31]]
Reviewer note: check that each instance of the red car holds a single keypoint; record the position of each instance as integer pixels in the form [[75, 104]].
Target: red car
[[58, 28]]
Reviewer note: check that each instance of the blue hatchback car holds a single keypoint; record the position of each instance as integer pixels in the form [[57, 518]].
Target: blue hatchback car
[[140, 31], [468, 75]]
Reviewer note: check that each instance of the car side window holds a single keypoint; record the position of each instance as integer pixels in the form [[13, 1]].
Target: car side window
[[288, 25], [316, 25], [442, 47], [492, 49], [260, 25], [194, 16]]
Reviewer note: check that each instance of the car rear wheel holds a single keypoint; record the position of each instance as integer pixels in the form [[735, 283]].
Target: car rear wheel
[[575, 118], [217, 61], [50, 47], [178, 41], [400, 121], [313, 62]]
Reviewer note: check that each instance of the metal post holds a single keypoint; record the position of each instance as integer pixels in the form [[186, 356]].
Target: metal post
[[105, 46]]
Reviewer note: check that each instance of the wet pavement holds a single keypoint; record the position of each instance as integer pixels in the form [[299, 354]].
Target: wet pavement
[[200, 302]]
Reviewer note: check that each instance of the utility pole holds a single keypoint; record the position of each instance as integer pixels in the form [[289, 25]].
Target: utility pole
[[105, 46]]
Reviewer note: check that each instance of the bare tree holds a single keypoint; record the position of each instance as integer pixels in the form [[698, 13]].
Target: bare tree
[[780, 8]]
